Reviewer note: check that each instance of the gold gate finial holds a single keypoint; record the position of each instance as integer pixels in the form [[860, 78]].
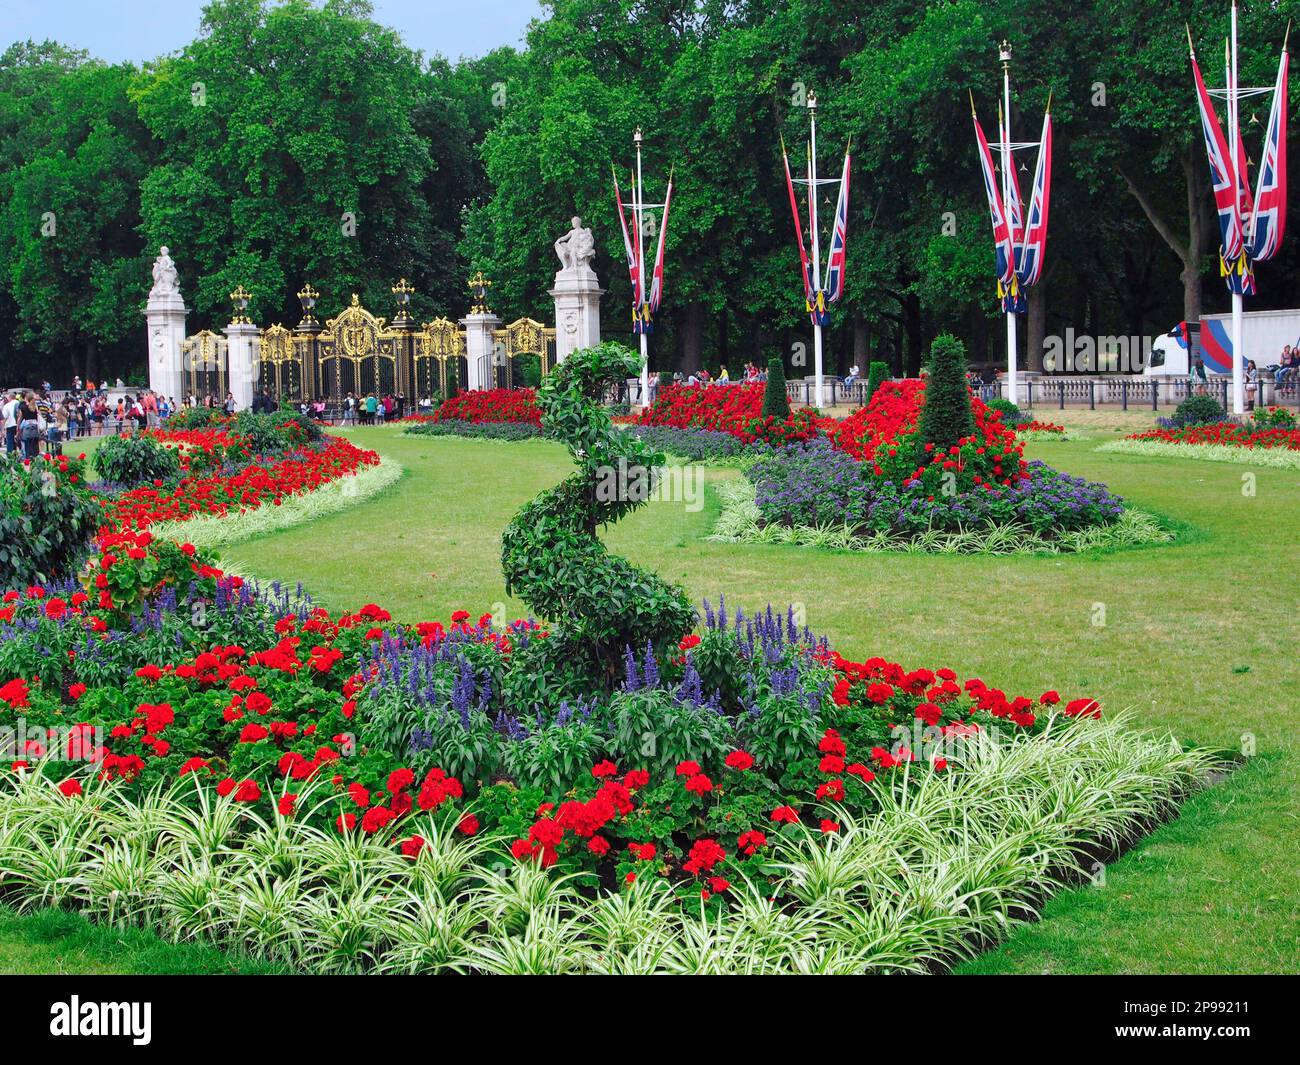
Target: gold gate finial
[[240, 298], [478, 290]]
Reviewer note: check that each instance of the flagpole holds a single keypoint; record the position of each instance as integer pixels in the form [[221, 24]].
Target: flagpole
[[1238, 359], [1013, 377], [816, 246], [639, 208]]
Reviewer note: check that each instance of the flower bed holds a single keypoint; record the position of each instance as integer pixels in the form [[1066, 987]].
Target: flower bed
[[367, 765], [1217, 442], [221, 492], [479, 430], [491, 405], [735, 409]]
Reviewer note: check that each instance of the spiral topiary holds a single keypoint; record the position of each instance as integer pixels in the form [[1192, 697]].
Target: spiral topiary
[[598, 603]]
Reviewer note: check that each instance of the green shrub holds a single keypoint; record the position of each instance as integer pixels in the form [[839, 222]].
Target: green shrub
[[946, 416], [877, 374], [135, 458], [1273, 418], [776, 404], [277, 431], [1011, 414], [1198, 410], [550, 554], [47, 517], [195, 417]]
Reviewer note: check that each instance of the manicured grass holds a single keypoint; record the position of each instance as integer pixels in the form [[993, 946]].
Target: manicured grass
[[56, 942], [1199, 636]]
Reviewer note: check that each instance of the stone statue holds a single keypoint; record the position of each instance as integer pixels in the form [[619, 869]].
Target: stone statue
[[166, 280], [576, 249]]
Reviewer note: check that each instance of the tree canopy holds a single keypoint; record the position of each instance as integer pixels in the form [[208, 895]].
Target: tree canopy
[[299, 142]]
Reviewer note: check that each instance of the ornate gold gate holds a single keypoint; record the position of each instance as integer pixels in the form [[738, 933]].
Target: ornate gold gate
[[522, 353], [280, 364], [359, 353], [203, 365], [440, 362]]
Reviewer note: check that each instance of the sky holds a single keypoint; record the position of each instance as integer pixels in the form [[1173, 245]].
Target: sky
[[137, 30]]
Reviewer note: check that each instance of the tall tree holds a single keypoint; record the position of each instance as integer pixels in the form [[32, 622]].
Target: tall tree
[[72, 153]]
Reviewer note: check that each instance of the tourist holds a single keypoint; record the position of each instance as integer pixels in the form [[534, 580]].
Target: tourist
[[852, 379], [10, 410], [1200, 382], [72, 412], [1252, 383], [723, 377], [29, 426], [151, 408], [988, 380], [350, 409], [371, 405], [1283, 379], [57, 431], [76, 383]]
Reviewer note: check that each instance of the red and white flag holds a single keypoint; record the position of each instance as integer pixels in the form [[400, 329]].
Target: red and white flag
[[1269, 219], [1222, 178], [1001, 232], [657, 278]]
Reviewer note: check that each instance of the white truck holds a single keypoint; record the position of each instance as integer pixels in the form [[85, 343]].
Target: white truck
[[1263, 336]]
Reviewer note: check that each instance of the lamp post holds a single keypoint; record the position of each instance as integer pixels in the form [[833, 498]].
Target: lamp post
[[638, 207], [307, 297], [402, 292], [240, 298], [816, 244], [478, 290], [1013, 368]]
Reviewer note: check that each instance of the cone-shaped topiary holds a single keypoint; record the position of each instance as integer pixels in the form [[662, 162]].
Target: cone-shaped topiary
[[947, 415], [776, 403], [877, 374], [599, 603]]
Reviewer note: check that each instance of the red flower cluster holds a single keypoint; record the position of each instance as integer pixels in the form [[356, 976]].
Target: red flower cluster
[[1225, 434], [251, 487], [734, 409], [491, 405], [883, 434]]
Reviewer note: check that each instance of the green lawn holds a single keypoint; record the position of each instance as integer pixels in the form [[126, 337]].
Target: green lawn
[[55, 942], [1199, 637]]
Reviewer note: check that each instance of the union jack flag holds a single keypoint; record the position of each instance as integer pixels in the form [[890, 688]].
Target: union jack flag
[[1264, 235], [630, 248], [1033, 244], [1222, 178], [657, 278], [804, 268], [1001, 233], [1014, 205], [839, 239]]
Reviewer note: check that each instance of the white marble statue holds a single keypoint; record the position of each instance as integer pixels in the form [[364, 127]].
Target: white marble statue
[[166, 280], [576, 249]]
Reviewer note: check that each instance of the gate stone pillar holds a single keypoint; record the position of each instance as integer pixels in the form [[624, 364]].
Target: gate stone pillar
[[241, 361], [165, 329], [478, 347], [576, 293]]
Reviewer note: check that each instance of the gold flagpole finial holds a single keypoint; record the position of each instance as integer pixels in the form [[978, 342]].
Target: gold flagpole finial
[[1048, 108], [972, 100], [1191, 48]]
